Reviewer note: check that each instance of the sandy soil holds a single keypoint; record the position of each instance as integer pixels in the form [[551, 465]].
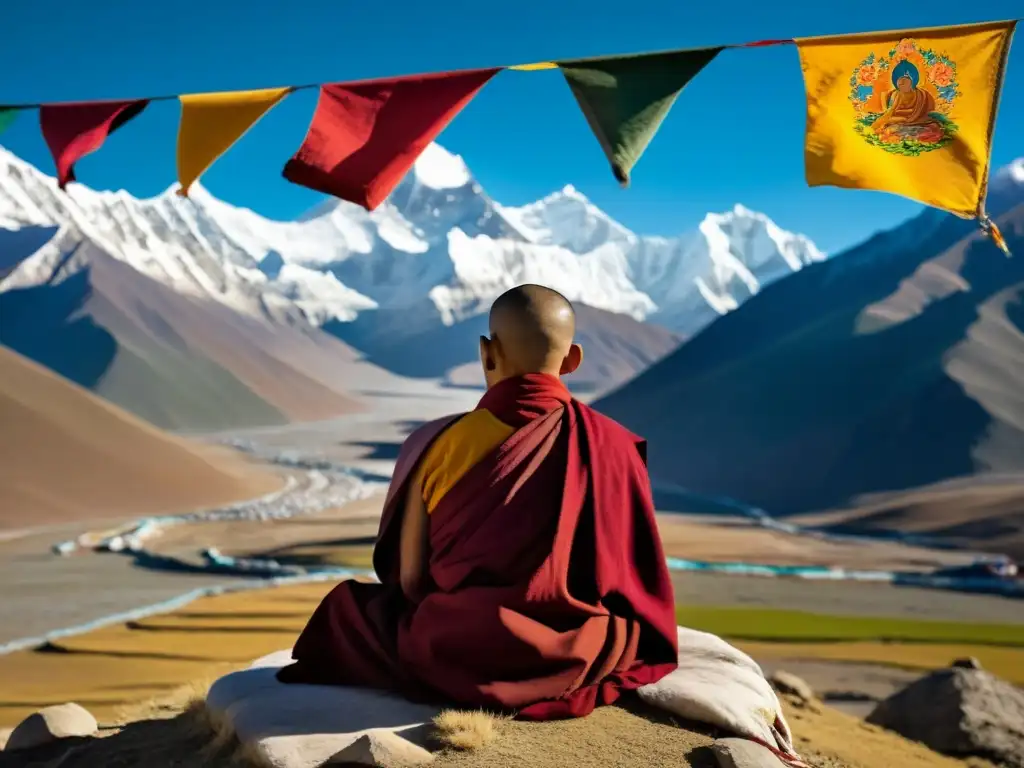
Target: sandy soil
[[66, 455]]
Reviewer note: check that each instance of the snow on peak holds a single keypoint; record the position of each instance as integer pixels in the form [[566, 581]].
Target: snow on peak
[[570, 192], [438, 168], [438, 236], [1014, 171]]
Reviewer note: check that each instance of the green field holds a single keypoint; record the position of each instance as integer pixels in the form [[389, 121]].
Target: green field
[[754, 624], [784, 626]]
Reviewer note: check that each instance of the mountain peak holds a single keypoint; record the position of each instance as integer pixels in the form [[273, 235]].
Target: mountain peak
[[1013, 172], [572, 193], [438, 168], [568, 193]]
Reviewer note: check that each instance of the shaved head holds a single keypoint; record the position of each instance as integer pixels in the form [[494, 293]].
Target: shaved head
[[532, 328]]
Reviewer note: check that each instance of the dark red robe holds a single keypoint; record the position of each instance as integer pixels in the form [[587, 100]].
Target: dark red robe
[[550, 594]]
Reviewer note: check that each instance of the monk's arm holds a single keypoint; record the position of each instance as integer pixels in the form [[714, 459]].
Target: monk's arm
[[413, 552]]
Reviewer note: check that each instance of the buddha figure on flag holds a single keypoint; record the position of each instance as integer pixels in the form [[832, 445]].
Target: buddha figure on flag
[[909, 110]]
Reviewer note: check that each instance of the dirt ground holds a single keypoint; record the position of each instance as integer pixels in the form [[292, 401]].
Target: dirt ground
[[631, 736]]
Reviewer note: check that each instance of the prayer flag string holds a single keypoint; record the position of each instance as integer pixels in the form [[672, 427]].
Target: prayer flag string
[[908, 112]]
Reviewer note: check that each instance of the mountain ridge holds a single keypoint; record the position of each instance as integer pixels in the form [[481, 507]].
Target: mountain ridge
[[882, 387], [439, 234]]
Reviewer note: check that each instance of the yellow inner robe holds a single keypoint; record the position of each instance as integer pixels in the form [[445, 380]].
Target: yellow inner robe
[[457, 450]]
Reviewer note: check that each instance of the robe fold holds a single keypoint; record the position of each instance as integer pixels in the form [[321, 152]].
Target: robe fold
[[548, 591]]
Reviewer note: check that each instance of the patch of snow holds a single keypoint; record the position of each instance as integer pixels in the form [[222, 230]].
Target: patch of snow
[[438, 168]]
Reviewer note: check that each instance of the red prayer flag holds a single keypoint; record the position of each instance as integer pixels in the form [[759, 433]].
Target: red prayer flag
[[364, 137], [72, 131]]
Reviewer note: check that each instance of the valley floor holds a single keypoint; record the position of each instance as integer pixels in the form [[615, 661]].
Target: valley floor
[[851, 667]]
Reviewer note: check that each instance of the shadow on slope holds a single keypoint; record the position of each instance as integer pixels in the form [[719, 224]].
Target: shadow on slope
[[16, 245], [177, 361], [55, 325], [885, 369]]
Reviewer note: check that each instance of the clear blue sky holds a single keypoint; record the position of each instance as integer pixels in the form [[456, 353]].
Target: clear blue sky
[[735, 135]]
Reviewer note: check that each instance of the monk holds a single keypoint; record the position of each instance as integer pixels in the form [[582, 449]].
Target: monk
[[519, 561]]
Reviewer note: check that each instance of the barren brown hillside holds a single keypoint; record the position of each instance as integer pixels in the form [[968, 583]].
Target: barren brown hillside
[[66, 455]]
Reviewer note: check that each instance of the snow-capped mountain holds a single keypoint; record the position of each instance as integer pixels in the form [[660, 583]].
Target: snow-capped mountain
[[438, 237]]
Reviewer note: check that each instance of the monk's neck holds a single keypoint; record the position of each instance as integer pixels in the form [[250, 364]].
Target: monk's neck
[[527, 377]]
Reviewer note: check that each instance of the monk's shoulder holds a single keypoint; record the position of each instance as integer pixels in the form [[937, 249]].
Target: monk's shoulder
[[464, 438], [611, 435], [425, 435]]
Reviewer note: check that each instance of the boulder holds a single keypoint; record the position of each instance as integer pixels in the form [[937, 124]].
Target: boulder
[[959, 712], [790, 685], [383, 748], [743, 753], [61, 721]]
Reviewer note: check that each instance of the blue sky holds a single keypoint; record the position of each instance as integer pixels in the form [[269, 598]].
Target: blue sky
[[735, 135]]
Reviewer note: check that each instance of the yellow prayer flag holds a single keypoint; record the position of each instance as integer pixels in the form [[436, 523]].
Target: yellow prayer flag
[[212, 122], [536, 67], [909, 112]]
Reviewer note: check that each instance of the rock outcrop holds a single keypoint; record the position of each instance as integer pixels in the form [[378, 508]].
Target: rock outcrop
[[61, 721], [960, 712]]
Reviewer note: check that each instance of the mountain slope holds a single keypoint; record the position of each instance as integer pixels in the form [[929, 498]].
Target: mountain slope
[[895, 366], [66, 455], [176, 360]]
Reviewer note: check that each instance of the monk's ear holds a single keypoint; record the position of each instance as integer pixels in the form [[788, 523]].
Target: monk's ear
[[486, 356], [571, 361]]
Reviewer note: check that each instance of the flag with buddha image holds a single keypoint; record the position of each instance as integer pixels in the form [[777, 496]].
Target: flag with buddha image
[[907, 112]]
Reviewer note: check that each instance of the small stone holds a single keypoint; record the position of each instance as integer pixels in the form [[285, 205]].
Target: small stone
[[743, 753], [791, 685], [384, 749], [968, 662], [61, 721]]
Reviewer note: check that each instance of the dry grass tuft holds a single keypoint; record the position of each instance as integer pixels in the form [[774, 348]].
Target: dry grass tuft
[[247, 756], [466, 729], [188, 698]]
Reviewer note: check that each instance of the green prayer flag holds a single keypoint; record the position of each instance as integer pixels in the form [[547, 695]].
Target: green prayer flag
[[7, 116], [625, 98]]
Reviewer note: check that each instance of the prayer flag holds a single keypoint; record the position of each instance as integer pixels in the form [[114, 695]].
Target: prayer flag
[[364, 137], [625, 98], [72, 131], [908, 112], [535, 67], [7, 116], [212, 122]]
